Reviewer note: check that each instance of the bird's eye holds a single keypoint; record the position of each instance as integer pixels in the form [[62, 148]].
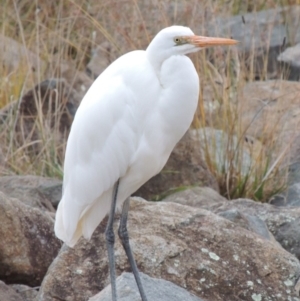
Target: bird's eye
[[177, 40]]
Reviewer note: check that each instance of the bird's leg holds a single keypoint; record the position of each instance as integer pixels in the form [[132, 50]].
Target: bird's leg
[[123, 234], [110, 241]]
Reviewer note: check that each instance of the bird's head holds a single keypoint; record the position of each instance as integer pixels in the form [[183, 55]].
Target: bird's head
[[180, 40]]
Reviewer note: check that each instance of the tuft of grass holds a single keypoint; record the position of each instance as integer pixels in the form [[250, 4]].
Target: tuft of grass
[[263, 172]]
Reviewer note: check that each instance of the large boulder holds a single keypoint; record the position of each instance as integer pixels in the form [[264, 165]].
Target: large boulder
[[28, 244], [208, 255]]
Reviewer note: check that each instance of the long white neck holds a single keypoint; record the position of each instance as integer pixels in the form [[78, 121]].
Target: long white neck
[[179, 96], [156, 58]]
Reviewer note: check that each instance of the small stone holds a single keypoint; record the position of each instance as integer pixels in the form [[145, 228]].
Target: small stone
[[256, 297], [213, 256]]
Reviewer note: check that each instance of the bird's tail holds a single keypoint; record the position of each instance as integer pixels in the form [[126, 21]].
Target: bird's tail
[[73, 221], [60, 229]]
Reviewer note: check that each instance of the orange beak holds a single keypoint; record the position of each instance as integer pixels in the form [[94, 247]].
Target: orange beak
[[200, 41]]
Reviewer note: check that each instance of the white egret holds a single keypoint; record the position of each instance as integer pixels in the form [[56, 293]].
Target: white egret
[[123, 133]]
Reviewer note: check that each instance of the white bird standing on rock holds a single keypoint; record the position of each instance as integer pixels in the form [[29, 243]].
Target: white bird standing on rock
[[123, 134]]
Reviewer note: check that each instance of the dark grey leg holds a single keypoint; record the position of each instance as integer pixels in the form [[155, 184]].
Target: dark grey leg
[[123, 234], [110, 241]]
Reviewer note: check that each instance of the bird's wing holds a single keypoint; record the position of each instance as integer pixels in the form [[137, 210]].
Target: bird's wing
[[101, 144]]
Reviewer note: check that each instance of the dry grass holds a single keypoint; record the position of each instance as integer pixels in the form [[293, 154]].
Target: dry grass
[[66, 31]]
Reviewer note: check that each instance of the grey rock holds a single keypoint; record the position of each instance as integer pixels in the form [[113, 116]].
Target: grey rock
[[52, 191], [8, 294], [288, 235], [247, 221], [288, 198], [293, 195], [26, 292], [294, 168], [290, 58], [291, 55], [278, 200], [155, 289]]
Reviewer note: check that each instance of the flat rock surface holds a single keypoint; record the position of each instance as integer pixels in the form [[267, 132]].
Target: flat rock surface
[[206, 254], [155, 289]]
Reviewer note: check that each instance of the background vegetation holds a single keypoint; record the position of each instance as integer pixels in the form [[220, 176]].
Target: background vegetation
[[66, 32]]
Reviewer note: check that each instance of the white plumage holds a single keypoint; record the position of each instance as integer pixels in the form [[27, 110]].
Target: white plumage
[[126, 127]]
